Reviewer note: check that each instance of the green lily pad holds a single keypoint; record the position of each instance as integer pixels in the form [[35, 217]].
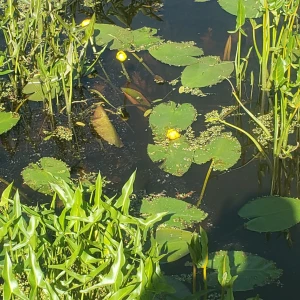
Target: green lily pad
[[176, 157], [169, 115], [271, 214], [8, 120], [223, 150], [207, 71], [37, 90], [143, 38], [252, 270], [173, 242], [176, 54], [47, 170], [181, 213], [116, 37], [253, 8]]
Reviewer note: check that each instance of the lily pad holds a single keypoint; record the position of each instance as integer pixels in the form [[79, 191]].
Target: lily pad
[[116, 37], [37, 91], [181, 214], [173, 242], [8, 120], [169, 115], [252, 270], [223, 150], [271, 214], [207, 71], [47, 170], [253, 8], [137, 98], [105, 128], [143, 38], [176, 157], [176, 54]]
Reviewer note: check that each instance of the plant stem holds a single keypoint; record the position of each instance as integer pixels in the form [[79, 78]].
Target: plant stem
[[194, 278], [205, 183]]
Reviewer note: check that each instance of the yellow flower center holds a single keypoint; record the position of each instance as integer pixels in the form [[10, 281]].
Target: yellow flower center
[[85, 22], [121, 56], [173, 134]]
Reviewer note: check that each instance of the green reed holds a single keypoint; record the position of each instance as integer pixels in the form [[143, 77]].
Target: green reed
[[275, 41]]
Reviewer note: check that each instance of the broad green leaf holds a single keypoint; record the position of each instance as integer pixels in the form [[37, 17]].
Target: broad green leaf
[[252, 270], [173, 242], [5, 196], [105, 128], [123, 292], [143, 38], [116, 37], [176, 54], [180, 214], [278, 73], [224, 151], [270, 214], [253, 8], [40, 89], [169, 115], [207, 71], [47, 170], [8, 120], [136, 98], [11, 286], [124, 200], [176, 157]]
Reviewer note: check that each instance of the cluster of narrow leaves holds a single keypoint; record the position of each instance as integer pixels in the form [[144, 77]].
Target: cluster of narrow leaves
[[89, 249], [176, 156]]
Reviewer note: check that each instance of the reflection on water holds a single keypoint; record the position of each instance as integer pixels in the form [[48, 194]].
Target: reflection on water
[[207, 25]]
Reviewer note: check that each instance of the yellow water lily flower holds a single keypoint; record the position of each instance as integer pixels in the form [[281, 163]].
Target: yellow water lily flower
[[121, 56], [85, 22], [173, 134]]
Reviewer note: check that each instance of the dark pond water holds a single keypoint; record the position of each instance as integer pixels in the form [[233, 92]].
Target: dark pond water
[[206, 24]]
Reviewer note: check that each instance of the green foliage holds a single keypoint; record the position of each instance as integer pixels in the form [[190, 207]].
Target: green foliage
[[8, 120], [173, 242], [91, 248], [270, 214], [47, 170], [170, 115], [180, 213], [176, 157], [253, 8], [223, 150], [207, 71], [176, 54], [251, 270], [120, 38]]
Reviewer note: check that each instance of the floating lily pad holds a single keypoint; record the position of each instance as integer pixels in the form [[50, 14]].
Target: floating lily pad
[[8, 120], [173, 242], [47, 170], [253, 8], [169, 115], [207, 71], [225, 152], [176, 157], [271, 214], [143, 38], [176, 54], [105, 128], [116, 37], [181, 213], [37, 91], [252, 270]]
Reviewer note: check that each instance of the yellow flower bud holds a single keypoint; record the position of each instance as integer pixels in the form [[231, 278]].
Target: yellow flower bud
[[173, 134], [121, 56], [85, 22]]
